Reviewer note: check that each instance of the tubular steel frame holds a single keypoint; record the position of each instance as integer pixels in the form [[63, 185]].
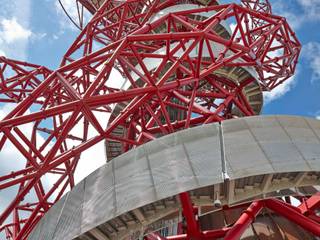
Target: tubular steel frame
[[298, 215], [121, 36]]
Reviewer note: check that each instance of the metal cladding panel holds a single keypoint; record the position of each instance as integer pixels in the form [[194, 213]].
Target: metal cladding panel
[[51, 219], [99, 198], [292, 158], [287, 151], [130, 179], [70, 220], [204, 153], [314, 156], [171, 170], [47, 226], [184, 161], [304, 138], [242, 151], [269, 144], [35, 234]]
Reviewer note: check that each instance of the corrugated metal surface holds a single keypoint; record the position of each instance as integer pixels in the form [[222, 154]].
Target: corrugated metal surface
[[263, 154]]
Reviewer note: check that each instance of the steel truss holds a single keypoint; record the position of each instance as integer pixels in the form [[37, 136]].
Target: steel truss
[[18, 79], [302, 215], [126, 36]]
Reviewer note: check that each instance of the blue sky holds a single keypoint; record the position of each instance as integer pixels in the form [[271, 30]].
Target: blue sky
[[303, 98], [42, 33], [38, 31]]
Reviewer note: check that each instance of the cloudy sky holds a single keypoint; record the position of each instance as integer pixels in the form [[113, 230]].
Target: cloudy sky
[[302, 96], [39, 32]]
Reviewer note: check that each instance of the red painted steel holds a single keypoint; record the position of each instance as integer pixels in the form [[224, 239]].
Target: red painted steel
[[262, 6], [308, 206], [235, 232], [81, 92], [193, 228], [244, 221], [294, 216], [18, 79]]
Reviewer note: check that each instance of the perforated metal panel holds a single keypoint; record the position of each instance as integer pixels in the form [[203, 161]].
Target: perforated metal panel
[[99, 198], [51, 219], [280, 150], [69, 222]]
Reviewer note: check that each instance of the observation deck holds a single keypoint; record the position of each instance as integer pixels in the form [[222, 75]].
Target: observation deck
[[236, 161], [182, 65]]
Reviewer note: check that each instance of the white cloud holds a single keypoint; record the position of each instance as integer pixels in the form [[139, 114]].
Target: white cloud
[[70, 7], [279, 91], [297, 12], [12, 160], [14, 28], [311, 52], [285, 9], [38, 36], [316, 114], [2, 53], [12, 31], [311, 9], [92, 158], [14, 38], [283, 88], [8, 156]]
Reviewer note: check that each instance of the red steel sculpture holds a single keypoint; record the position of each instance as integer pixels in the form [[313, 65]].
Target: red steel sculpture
[[177, 73], [18, 79]]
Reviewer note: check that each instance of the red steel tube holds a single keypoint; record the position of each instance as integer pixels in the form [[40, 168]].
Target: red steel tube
[[178, 237], [310, 204], [64, 92], [244, 221], [294, 216], [193, 229], [219, 233]]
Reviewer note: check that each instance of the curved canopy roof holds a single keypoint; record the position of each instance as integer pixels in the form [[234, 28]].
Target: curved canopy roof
[[260, 149]]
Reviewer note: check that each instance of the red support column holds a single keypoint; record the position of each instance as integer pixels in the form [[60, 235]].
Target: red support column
[[193, 230], [244, 221], [310, 204], [83, 86], [290, 214]]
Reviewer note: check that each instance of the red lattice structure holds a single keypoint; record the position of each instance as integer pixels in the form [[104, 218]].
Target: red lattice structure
[[187, 84], [18, 79], [262, 6]]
